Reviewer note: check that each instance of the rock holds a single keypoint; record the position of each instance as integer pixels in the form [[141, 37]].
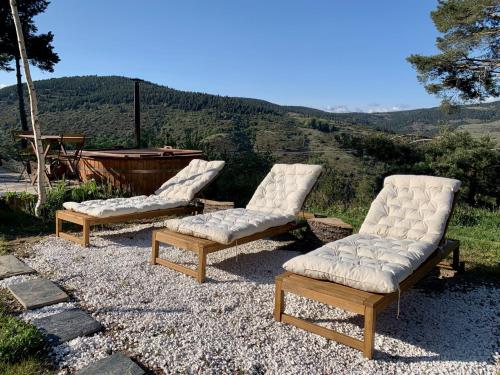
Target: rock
[[327, 229], [116, 364], [67, 325], [11, 266], [37, 293]]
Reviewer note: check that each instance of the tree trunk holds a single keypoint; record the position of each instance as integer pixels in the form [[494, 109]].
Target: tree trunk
[[34, 110], [20, 96], [471, 196]]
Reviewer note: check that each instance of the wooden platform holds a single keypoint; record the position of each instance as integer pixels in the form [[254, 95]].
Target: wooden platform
[[87, 221], [351, 299], [202, 247]]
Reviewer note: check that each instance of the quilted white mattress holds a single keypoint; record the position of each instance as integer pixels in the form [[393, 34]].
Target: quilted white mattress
[[228, 225], [404, 225], [285, 188], [177, 191], [363, 261], [123, 206], [411, 207], [190, 180]]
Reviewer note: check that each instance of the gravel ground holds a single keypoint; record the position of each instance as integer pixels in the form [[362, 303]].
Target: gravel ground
[[172, 324]]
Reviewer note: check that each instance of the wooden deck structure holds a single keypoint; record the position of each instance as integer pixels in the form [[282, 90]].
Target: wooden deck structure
[[202, 247], [87, 221], [358, 301]]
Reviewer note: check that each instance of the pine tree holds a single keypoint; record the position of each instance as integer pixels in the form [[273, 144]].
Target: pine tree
[[39, 46], [468, 65]]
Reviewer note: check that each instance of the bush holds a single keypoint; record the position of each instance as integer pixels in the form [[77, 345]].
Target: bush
[[18, 339], [57, 195]]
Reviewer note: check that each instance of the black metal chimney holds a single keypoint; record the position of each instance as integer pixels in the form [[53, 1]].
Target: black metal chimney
[[137, 113]]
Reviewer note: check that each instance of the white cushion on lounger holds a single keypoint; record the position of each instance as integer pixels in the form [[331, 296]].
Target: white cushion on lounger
[[403, 227], [123, 206], [177, 191], [363, 261], [411, 207], [228, 225], [276, 201], [190, 180], [285, 188]]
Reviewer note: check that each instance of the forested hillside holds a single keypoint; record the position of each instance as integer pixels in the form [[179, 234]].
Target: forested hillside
[[252, 134], [102, 107]]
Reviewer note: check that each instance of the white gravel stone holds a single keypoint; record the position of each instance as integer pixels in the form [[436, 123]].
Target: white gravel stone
[[171, 323]]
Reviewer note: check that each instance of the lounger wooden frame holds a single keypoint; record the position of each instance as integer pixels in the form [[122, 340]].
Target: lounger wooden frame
[[351, 299], [202, 247], [87, 221]]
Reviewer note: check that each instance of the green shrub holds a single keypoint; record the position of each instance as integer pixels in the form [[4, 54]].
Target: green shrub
[[56, 196], [18, 339], [24, 202], [59, 193]]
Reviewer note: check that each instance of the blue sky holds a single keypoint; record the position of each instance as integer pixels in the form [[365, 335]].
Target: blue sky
[[335, 55]]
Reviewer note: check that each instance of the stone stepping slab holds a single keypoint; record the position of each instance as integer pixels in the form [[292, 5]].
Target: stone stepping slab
[[11, 266], [37, 293], [67, 325], [116, 364]]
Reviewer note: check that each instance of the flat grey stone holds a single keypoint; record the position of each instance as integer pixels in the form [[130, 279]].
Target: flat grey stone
[[37, 293], [116, 364], [67, 325], [11, 266]]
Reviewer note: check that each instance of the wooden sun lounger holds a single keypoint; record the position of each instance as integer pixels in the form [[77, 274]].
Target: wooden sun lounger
[[351, 299], [202, 246], [87, 221]]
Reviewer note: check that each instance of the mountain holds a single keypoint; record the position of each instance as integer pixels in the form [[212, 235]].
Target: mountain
[[102, 107], [356, 149]]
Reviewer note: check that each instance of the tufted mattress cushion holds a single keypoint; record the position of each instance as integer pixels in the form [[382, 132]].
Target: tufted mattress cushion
[[123, 206], [285, 188], [403, 227], [228, 225], [363, 261], [411, 207], [176, 192], [190, 180]]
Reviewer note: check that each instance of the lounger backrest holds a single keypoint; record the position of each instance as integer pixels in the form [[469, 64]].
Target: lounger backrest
[[285, 188], [190, 180], [412, 207]]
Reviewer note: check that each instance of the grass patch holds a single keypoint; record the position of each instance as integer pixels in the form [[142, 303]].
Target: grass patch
[[22, 348], [29, 366], [18, 339]]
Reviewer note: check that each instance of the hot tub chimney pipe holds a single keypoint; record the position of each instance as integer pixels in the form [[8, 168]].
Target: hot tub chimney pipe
[[137, 113]]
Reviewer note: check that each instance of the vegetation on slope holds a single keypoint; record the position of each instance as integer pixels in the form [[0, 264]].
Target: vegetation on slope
[[102, 108]]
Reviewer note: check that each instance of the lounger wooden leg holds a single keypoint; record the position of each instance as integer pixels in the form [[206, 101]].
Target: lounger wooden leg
[[279, 300], [457, 266], [155, 250], [202, 265], [369, 339], [58, 225], [86, 234]]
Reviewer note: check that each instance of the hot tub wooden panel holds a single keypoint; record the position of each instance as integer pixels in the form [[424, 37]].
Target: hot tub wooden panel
[[137, 171]]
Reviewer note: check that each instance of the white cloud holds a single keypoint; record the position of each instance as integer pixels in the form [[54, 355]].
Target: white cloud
[[370, 108], [337, 109], [2, 85]]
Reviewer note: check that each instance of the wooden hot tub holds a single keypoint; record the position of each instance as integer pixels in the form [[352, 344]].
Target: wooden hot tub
[[140, 171]]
